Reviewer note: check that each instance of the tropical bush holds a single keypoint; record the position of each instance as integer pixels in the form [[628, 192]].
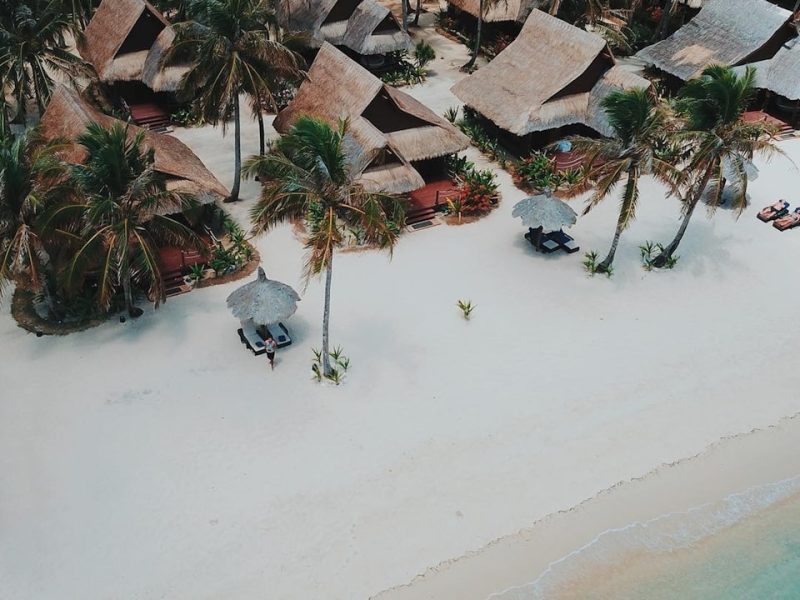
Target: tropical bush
[[403, 70], [472, 127], [423, 53]]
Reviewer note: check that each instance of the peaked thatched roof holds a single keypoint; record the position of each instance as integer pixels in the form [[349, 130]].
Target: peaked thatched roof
[[781, 73], [509, 10], [106, 45], [726, 32], [571, 72], [338, 88], [363, 26], [68, 114]]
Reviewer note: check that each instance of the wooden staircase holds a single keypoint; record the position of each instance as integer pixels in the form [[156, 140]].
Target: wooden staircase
[[174, 284], [150, 116], [424, 204]]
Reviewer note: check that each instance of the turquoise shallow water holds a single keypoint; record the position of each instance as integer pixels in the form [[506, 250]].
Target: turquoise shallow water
[[745, 547]]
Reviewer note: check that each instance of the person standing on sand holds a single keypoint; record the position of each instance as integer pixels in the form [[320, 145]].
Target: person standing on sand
[[270, 346]]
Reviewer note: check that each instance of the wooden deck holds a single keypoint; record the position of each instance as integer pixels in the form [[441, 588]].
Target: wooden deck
[[150, 116], [754, 116], [568, 161], [173, 262], [422, 204]]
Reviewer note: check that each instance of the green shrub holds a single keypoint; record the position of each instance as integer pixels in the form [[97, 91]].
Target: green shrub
[[424, 53]]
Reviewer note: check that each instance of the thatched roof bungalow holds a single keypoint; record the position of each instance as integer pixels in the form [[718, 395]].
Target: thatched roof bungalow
[[552, 77], [362, 28], [781, 73], [126, 40], [726, 32], [502, 11], [68, 114], [392, 140]]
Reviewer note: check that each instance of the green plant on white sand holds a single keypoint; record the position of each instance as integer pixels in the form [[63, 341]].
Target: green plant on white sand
[[466, 307], [337, 372]]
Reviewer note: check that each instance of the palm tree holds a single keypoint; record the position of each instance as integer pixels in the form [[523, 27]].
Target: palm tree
[[640, 128], [721, 145], [33, 47], [119, 219], [32, 178], [306, 176], [483, 8], [232, 54], [417, 13]]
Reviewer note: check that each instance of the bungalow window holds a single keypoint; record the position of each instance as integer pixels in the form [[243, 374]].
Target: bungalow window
[[143, 34], [384, 158], [341, 11], [387, 25], [387, 117]]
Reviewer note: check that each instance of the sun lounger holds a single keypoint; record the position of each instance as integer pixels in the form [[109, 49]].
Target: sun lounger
[[549, 246], [788, 222], [251, 338], [279, 333], [564, 241], [774, 211]]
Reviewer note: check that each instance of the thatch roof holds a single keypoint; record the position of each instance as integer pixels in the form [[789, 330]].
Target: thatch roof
[[338, 88], [781, 73], [508, 10], [68, 114], [726, 32], [363, 26], [105, 44], [563, 85]]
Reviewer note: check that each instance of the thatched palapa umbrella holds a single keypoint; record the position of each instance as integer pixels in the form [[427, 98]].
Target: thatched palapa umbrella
[[545, 211], [263, 300]]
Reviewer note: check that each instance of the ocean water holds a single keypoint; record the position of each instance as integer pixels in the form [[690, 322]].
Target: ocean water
[[745, 547]]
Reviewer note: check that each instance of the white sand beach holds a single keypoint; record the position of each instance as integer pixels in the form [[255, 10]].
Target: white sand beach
[[160, 459]]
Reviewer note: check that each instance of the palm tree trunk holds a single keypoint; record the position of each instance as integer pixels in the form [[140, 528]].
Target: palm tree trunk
[[237, 151], [416, 14], [326, 318], [126, 289], [554, 7], [667, 253], [477, 48], [261, 140], [604, 266], [404, 7], [37, 93], [663, 25]]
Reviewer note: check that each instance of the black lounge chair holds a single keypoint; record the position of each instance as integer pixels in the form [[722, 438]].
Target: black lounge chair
[[279, 333], [774, 211], [251, 337], [565, 242]]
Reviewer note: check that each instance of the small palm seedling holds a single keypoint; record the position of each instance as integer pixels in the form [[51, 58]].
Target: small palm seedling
[[456, 205], [196, 272], [424, 53], [451, 114], [336, 374], [466, 307], [651, 253], [593, 267], [590, 262]]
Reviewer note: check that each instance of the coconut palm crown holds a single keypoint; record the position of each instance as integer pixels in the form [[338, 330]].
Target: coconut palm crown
[[641, 128], [120, 217], [306, 176], [232, 53], [32, 178], [33, 47], [716, 137]]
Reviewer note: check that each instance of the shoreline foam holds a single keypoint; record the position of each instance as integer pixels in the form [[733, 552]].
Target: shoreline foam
[[756, 462]]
